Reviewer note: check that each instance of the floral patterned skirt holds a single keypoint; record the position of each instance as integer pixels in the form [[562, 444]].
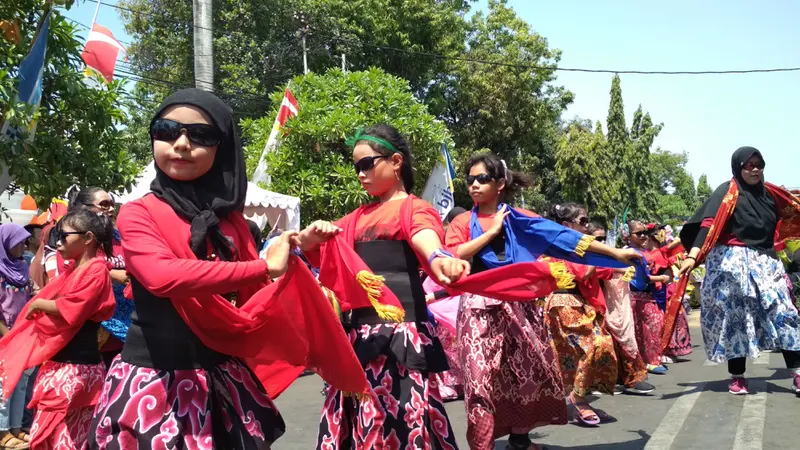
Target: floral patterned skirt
[[745, 305], [450, 381], [584, 349], [64, 396], [649, 323], [681, 342], [512, 383], [404, 409], [222, 408]]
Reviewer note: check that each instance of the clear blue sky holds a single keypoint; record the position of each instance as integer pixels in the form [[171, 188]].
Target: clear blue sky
[[707, 116]]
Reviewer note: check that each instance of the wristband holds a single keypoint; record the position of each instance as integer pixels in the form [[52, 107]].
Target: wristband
[[439, 253], [691, 257]]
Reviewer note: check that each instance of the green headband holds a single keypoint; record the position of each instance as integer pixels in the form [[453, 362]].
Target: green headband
[[359, 136]]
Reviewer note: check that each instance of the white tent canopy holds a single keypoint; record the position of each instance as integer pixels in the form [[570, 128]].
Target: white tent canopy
[[261, 205]]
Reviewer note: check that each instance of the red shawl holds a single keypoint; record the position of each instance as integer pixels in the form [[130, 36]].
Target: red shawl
[[356, 287], [80, 294], [280, 329], [788, 226]]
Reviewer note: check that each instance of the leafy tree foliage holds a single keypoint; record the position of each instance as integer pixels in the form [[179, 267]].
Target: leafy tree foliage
[[312, 161], [79, 136]]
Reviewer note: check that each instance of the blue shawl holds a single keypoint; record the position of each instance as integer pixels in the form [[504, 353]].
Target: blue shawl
[[527, 238]]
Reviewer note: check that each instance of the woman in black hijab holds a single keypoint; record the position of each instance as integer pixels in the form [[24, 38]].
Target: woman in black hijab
[[190, 253], [746, 307]]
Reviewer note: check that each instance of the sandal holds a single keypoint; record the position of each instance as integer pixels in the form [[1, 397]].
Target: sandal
[[581, 409], [9, 442], [23, 436]]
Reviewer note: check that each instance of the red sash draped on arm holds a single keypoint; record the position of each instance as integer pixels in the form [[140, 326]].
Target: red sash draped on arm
[[80, 294], [281, 329], [348, 276], [788, 226]]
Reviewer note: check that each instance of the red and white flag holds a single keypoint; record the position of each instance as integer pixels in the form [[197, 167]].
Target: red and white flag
[[289, 108], [101, 51]]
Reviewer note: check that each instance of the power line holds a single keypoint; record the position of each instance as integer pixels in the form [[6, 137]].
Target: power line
[[566, 69]]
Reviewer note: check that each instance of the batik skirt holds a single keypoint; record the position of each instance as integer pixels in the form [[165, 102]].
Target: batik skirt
[[512, 383], [681, 342], [64, 397], [746, 306], [403, 409], [451, 386], [583, 347], [649, 323], [225, 407]]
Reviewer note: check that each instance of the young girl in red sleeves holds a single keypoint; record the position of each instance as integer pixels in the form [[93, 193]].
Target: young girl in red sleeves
[[61, 335]]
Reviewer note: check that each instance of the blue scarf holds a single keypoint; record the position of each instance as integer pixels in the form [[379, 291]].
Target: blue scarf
[[641, 280], [527, 238]]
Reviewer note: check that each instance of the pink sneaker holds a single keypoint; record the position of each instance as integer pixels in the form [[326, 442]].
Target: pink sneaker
[[738, 386], [796, 384]]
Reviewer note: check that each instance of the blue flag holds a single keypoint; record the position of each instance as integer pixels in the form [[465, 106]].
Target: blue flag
[[31, 72]]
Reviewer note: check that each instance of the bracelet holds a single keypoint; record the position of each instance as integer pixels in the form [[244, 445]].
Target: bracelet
[[439, 253], [691, 257]]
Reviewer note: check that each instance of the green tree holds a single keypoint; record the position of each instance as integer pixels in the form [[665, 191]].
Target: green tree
[[79, 136], [312, 161], [512, 106], [629, 156], [703, 190], [676, 191], [581, 162]]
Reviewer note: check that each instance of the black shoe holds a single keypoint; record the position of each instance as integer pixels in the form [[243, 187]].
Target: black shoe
[[641, 388]]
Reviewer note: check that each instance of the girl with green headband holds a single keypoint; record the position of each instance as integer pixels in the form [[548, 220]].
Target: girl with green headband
[[393, 236]]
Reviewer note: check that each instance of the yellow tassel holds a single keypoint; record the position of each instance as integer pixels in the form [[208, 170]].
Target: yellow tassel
[[584, 244], [629, 273], [337, 308], [564, 279], [360, 396], [373, 285]]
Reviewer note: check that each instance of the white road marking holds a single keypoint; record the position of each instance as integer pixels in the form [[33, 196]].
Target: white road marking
[[750, 432], [667, 431]]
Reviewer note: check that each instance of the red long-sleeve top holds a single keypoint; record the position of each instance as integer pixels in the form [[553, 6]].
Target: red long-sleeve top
[[150, 260]]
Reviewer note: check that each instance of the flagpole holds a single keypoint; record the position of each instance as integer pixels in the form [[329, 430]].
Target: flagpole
[[96, 12]]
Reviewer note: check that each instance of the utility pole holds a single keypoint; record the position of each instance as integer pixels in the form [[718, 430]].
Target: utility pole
[[203, 45], [344, 64], [303, 33]]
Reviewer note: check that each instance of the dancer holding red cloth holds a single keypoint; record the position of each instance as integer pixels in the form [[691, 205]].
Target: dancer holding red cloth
[[61, 336]]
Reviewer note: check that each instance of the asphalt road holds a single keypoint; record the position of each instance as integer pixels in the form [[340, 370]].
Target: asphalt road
[[690, 409]]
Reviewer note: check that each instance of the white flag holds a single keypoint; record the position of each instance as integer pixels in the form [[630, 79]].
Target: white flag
[[288, 109], [439, 187]]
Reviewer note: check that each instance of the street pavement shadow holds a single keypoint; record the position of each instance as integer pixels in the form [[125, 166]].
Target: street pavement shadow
[[635, 444]]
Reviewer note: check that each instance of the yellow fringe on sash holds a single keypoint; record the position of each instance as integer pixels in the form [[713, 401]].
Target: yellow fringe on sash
[[373, 285], [331, 296], [564, 279], [584, 244], [360, 396], [629, 273]]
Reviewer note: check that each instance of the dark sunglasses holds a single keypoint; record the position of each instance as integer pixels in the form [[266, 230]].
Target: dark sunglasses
[[199, 133], [600, 238], [750, 166], [583, 221], [63, 234], [366, 163], [105, 204], [640, 234], [483, 178]]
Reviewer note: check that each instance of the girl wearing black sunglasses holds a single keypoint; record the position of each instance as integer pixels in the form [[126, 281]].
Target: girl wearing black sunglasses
[[496, 235], [648, 317], [394, 237], [582, 344]]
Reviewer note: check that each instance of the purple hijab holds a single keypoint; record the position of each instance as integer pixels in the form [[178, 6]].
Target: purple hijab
[[15, 271]]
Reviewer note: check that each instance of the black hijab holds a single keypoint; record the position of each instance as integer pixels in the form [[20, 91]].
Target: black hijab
[[221, 191], [755, 217]]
